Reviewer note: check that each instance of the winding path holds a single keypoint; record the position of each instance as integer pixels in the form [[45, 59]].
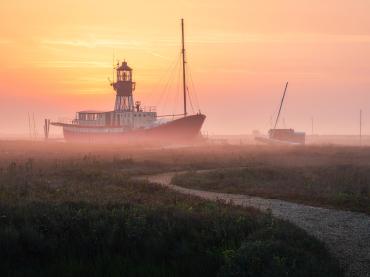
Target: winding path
[[347, 234]]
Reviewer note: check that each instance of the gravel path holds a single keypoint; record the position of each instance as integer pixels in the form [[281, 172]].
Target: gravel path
[[347, 234]]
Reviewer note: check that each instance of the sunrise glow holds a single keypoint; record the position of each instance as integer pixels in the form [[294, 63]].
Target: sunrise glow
[[56, 58]]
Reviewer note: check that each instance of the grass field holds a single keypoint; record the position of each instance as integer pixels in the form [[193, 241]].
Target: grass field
[[72, 210], [344, 187], [341, 180]]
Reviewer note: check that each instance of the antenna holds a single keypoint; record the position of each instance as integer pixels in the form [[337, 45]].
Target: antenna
[[29, 125], [281, 105], [360, 127], [312, 125], [183, 64], [113, 68], [34, 126]]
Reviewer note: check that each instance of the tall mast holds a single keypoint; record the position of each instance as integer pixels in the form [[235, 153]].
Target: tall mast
[[183, 65], [281, 104]]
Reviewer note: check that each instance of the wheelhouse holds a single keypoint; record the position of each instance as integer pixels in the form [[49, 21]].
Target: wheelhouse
[[93, 118]]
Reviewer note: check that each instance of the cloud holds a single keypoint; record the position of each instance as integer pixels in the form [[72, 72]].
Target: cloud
[[244, 38], [104, 43], [92, 43], [71, 64], [241, 38]]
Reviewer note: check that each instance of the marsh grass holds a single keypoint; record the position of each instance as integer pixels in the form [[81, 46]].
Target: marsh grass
[[342, 186], [70, 210]]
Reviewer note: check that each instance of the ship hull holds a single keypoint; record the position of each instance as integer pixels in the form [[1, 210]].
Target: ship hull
[[176, 131]]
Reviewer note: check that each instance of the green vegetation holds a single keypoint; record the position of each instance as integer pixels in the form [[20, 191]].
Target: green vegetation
[[340, 186], [77, 211], [73, 239]]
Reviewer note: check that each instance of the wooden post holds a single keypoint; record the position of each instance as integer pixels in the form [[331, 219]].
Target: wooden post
[[46, 128]]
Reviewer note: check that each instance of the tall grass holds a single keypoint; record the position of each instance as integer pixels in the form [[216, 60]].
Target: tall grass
[[71, 239], [77, 211]]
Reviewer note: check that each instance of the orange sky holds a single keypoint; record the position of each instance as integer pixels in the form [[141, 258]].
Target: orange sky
[[56, 57]]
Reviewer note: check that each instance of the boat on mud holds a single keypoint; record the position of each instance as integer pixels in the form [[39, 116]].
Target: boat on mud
[[282, 136]]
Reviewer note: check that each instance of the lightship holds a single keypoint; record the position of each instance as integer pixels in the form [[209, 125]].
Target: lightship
[[130, 121]]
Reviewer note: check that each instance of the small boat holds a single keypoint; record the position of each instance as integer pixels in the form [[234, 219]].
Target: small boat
[[130, 121], [282, 136]]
